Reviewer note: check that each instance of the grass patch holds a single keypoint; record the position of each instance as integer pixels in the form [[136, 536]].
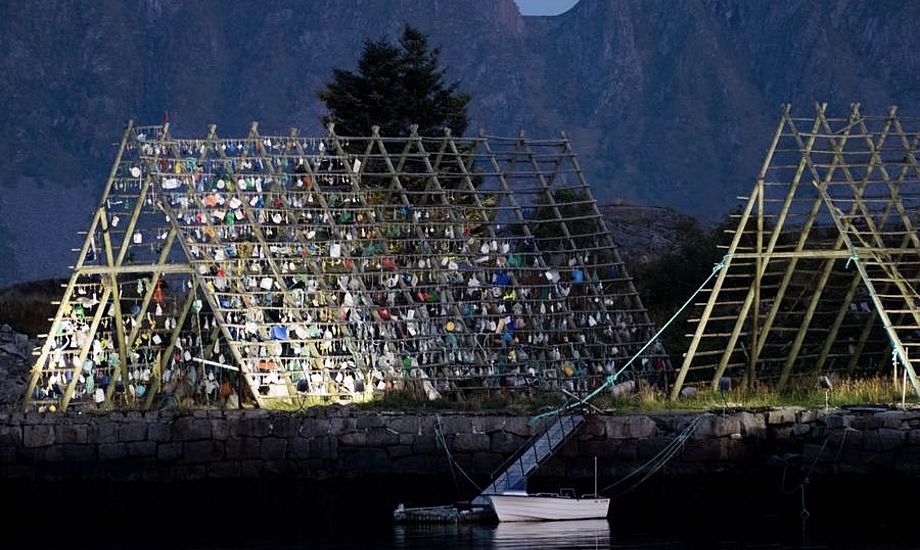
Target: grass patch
[[409, 399], [847, 392], [493, 401]]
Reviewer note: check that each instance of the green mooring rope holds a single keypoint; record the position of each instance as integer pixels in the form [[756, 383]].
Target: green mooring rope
[[613, 377]]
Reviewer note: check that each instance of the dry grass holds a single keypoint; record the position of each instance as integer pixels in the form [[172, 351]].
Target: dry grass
[[846, 392], [863, 391]]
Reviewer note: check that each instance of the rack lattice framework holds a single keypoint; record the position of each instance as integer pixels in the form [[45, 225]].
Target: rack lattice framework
[[822, 268], [339, 266]]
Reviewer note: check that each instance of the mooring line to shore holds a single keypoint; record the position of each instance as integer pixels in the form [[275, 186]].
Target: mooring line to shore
[[613, 377], [660, 460], [439, 437]]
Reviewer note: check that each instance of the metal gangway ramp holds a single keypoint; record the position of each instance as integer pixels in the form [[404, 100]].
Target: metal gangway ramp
[[533, 454]]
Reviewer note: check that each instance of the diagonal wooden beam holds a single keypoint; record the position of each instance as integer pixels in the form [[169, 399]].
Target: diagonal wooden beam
[[116, 262], [156, 377], [38, 366], [720, 278], [870, 286], [502, 176], [908, 147], [760, 268], [210, 142], [858, 191]]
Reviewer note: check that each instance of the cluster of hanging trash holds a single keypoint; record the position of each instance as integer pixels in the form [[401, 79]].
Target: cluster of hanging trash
[[339, 268]]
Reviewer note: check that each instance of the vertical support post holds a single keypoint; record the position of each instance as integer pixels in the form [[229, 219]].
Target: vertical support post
[[595, 477], [858, 191], [758, 275], [71, 284], [876, 300], [764, 329], [774, 238], [113, 261], [720, 278], [151, 288], [156, 376], [116, 313]]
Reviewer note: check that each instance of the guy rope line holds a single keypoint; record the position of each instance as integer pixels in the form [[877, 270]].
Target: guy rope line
[[439, 437], [613, 377], [660, 460]]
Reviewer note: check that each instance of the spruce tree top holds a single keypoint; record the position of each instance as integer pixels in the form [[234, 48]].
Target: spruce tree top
[[395, 86]]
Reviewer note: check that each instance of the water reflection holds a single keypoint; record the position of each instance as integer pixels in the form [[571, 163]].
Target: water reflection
[[547, 534], [591, 533]]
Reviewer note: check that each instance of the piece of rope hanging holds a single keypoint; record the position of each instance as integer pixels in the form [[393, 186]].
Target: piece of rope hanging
[[854, 257], [613, 377]]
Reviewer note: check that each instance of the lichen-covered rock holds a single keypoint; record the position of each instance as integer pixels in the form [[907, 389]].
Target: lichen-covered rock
[[132, 431], [112, 451], [632, 426], [470, 442], [782, 415], [38, 435], [273, 449], [202, 451], [188, 428]]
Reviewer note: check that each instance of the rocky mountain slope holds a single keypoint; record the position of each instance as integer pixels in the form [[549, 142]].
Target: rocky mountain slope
[[668, 103], [644, 233]]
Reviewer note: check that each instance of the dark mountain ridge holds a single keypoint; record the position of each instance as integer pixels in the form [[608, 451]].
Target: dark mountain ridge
[[668, 103]]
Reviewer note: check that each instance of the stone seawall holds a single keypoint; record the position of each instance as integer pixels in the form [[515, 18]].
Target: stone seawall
[[339, 442]]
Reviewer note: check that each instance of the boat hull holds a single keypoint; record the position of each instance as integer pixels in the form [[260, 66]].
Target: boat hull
[[547, 508]]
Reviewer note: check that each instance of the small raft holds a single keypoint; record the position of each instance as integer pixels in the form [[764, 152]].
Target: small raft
[[443, 514]]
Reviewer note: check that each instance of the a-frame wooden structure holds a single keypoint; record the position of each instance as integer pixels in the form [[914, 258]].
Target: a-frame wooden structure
[[338, 266], [821, 272]]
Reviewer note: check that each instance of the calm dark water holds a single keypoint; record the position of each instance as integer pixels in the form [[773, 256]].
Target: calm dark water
[[589, 534], [718, 512], [583, 535]]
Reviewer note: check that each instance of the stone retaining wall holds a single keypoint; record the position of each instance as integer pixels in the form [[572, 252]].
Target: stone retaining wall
[[342, 442]]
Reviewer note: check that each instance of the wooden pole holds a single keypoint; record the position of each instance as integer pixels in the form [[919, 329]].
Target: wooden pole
[[720, 278], [37, 368]]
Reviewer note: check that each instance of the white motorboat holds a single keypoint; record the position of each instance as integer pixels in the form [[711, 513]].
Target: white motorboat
[[521, 506]]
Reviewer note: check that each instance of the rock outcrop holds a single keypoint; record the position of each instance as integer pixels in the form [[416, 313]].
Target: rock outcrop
[[15, 360]]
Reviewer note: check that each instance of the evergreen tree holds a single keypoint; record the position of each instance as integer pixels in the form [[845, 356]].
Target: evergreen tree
[[395, 86], [665, 282]]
